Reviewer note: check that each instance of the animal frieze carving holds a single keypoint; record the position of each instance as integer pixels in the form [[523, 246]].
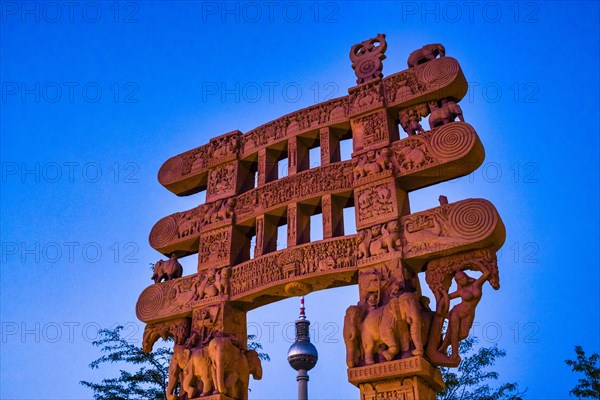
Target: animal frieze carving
[[296, 262], [371, 163], [213, 283], [221, 211]]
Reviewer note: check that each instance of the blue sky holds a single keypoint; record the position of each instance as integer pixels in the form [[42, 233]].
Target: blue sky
[[95, 97]]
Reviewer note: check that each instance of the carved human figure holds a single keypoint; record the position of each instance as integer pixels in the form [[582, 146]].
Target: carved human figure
[[363, 240], [233, 367], [222, 281], [391, 236], [376, 245], [410, 120], [414, 123], [167, 270], [462, 315], [207, 286]]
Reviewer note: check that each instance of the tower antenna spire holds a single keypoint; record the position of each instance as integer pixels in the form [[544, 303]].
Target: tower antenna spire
[[302, 355]]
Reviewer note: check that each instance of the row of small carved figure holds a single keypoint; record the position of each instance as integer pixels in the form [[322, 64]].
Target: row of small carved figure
[[404, 325], [439, 114], [191, 221]]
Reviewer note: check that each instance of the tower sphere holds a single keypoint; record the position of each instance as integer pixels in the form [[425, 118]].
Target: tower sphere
[[302, 355]]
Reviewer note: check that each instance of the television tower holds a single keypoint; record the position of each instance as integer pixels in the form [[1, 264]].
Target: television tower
[[302, 355]]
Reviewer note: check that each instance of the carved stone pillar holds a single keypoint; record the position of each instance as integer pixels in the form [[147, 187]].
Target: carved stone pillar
[[333, 218], [330, 146], [298, 155], [298, 224], [267, 166], [266, 234]]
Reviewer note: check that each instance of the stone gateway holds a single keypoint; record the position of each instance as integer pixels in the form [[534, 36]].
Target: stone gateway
[[394, 337]]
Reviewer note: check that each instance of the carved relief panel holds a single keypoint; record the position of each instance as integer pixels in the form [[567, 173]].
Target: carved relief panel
[[215, 248], [222, 181], [372, 131], [379, 201]]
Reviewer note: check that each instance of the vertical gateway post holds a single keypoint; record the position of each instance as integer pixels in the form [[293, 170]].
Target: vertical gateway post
[[393, 335]]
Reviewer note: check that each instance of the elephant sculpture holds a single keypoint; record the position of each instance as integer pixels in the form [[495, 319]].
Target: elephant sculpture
[[167, 270], [233, 367], [379, 328], [425, 53], [396, 326], [445, 114], [352, 322], [176, 369], [199, 373], [411, 158]]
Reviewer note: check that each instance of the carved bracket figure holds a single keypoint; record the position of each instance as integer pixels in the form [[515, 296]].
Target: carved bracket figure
[[367, 57], [460, 318], [410, 118]]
